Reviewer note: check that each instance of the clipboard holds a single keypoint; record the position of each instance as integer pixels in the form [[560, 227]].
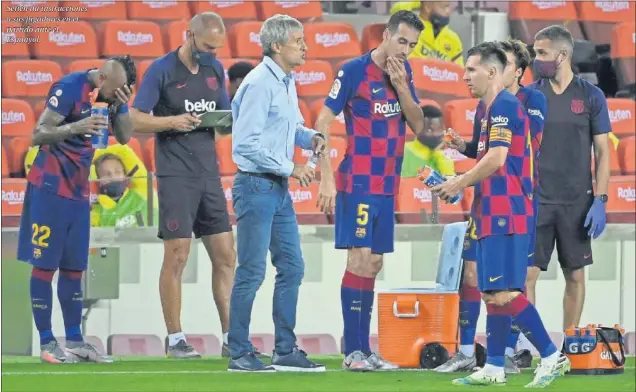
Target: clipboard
[[217, 118]]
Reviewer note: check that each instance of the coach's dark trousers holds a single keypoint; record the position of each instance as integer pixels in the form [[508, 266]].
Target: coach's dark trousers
[[265, 220]]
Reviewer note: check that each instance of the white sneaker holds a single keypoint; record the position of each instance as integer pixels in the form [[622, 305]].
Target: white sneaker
[[357, 362], [459, 363], [483, 377], [548, 372], [380, 363]]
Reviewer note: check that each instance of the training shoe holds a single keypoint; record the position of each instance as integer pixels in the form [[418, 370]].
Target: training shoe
[[85, 352], [357, 362], [510, 367], [296, 361], [182, 350], [380, 363], [249, 363], [227, 353], [51, 352], [482, 377], [548, 372], [459, 363], [523, 359]]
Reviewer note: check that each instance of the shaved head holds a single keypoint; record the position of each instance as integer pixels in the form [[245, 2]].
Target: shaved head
[[116, 73], [205, 34], [114, 70], [201, 23]]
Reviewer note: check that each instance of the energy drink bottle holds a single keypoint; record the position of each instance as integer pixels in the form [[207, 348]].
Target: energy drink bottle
[[431, 178]]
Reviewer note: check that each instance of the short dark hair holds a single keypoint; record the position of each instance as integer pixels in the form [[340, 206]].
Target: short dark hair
[[520, 50], [556, 33], [129, 66], [490, 52], [406, 17], [431, 111], [107, 157], [239, 70]]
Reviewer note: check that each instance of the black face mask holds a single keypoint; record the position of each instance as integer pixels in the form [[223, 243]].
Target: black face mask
[[204, 59], [439, 21], [431, 142], [114, 189]]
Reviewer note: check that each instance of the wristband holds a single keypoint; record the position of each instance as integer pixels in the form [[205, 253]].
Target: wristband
[[123, 109]]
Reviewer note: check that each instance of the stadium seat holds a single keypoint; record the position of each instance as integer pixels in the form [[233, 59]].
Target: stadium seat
[[459, 115], [332, 42], [305, 11], [245, 40], [528, 17], [144, 345], [372, 36], [17, 148], [45, 9], [38, 108], [621, 194], [337, 150], [17, 118], [29, 78], [438, 80], [306, 113], [318, 344], [206, 345], [415, 197], [175, 36], [338, 127], [6, 171], [140, 39], [158, 10], [149, 154], [313, 79], [264, 342], [626, 151], [304, 199], [94, 340], [96, 10], [142, 67], [232, 12], [227, 167], [71, 40], [622, 113], [86, 64], [598, 18], [622, 53], [10, 46], [528, 77]]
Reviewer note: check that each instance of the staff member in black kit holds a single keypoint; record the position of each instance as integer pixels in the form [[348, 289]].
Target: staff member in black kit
[[175, 88], [570, 212]]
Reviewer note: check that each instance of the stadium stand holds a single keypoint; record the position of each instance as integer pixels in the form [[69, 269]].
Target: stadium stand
[[14, 42], [71, 40], [140, 39], [231, 12], [438, 80], [314, 80], [305, 11], [598, 18], [528, 17], [5, 164], [245, 40], [159, 11], [623, 55], [17, 117], [97, 11], [332, 42]]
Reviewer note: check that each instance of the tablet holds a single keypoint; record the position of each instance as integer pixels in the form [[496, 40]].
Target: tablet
[[217, 118]]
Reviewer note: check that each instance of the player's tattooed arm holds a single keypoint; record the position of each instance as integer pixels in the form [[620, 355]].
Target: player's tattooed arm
[[49, 130], [122, 127]]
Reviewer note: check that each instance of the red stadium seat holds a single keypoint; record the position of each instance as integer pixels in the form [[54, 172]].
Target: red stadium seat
[[158, 10], [17, 148], [306, 113], [464, 165], [245, 40], [6, 171], [528, 17], [17, 118], [175, 36], [337, 150], [14, 43], [227, 167], [332, 42], [313, 79], [140, 39], [29, 78], [231, 11], [372, 36], [626, 155], [459, 115], [622, 53], [415, 197], [142, 345], [621, 194], [338, 127], [622, 113], [12, 200], [38, 109], [86, 64], [96, 10], [438, 80], [142, 67], [598, 18], [305, 11], [318, 344], [71, 40]]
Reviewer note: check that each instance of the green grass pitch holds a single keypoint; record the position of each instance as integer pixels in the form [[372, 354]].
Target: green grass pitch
[[208, 374]]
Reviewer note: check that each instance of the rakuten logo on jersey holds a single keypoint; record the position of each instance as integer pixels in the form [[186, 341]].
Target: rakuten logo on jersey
[[548, 5], [201, 106], [612, 6], [481, 146], [627, 194], [298, 196], [11, 117], [66, 39], [499, 121], [619, 115], [129, 38], [255, 38], [329, 40], [536, 113], [387, 109], [422, 194], [33, 78], [13, 197], [306, 78], [440, 75], [470, 115]]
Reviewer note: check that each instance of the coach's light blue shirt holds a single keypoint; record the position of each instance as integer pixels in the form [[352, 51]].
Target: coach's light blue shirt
[[267, 121]]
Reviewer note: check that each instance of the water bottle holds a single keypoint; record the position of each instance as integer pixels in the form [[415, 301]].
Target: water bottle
[[100, 141], [431, 178], [313, 161]]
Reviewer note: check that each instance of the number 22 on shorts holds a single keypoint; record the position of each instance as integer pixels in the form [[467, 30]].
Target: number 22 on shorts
[[363, 214], [40, 235]]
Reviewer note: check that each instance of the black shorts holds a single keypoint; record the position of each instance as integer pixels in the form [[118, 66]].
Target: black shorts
[[188, 205], [563, 225]]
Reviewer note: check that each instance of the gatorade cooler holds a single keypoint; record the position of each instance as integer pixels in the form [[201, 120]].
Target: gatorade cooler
[[419, 327], [595, 350]]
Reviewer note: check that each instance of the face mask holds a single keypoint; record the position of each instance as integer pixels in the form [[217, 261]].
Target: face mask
[[545, 69], [114, 189], [204, 59], [430, 141], [439, 21]]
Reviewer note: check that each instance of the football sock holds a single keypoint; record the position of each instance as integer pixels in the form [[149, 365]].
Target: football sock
[[42, 302], [498, 324], [469, 308], [523, 343], [174, 338], [525, 315], [512, 340], [356, 308], [225, 339], [69, 293]]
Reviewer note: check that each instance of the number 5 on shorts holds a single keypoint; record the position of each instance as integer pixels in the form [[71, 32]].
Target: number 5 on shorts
[[363, 214], [41, 235]]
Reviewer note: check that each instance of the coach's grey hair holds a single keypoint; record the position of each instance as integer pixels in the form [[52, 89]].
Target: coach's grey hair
[[275, 30]]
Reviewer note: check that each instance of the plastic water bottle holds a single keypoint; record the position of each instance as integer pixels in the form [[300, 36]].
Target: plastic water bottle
[[431, 178], [313, 161], [100, 141]]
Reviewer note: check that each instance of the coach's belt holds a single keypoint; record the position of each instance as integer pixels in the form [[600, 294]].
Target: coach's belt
[[267, 176]]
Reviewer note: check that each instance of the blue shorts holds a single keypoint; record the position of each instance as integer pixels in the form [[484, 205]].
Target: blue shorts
[[54, 231], [533, 232], [365, 221], [502, 262], [470, 242]]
